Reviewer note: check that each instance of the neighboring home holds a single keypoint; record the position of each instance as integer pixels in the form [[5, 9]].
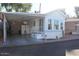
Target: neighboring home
[[72, 26], [38, 26]]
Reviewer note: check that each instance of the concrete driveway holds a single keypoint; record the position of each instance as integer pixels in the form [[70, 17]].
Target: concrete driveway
[[34, 47], [19, 40]]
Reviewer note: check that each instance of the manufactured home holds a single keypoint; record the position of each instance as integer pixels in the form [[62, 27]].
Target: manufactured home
[[38, 26]]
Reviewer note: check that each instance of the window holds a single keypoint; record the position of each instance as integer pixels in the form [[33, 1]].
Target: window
[[56, 24], [49, 24], [61, 26]]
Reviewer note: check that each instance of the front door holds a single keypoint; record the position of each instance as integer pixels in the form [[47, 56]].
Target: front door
[[24, 29]]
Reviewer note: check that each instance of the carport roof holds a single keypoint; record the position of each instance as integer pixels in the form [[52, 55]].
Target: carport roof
[[22, 15]]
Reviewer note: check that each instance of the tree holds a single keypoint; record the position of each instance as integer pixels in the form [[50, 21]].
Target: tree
[[77, 11], [22, 7], [17, 7], [7, 6]]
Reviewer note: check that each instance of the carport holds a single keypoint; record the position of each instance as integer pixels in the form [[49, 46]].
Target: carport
[[22, 23]]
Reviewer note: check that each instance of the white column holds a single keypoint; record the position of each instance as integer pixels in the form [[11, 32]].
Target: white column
[[4, 29]]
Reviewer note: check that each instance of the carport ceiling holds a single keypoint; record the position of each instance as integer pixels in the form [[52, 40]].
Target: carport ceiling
[[22, 16]]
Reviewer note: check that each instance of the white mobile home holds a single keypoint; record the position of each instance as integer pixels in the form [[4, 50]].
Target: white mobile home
[[38, 26], [53, 25]]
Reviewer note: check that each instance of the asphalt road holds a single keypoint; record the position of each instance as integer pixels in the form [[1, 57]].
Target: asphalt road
[[43, 49]]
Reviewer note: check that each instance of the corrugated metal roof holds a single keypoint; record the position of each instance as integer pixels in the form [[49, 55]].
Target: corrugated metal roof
[[22, 15]]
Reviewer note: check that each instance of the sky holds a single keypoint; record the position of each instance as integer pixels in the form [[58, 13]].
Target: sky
[[50, 5]]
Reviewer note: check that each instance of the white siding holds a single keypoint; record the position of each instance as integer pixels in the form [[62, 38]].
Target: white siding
[[54, 16]]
